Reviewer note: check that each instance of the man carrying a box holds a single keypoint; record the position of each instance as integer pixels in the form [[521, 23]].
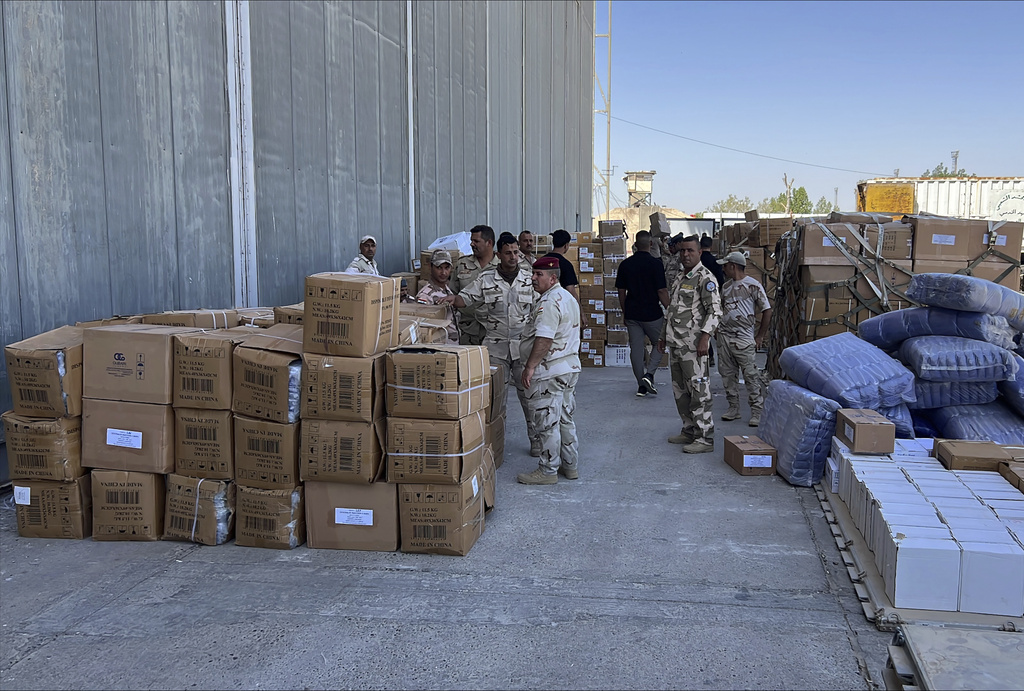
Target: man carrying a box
[[364, 263], [550, 350], [693, 315], [743, 300], [436, 290], [503, 295], [642, 293], [481, 239]]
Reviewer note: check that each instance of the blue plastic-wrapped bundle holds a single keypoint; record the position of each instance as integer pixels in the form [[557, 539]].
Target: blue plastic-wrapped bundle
[[849, 370], [923, 425], [951, 358], [990, 422], [1013, 389], [939, 394], [800, 425], [888, 330], [900, 416], [970, 294]]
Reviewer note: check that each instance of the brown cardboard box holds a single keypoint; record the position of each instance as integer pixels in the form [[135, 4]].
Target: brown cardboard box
[[592, 359], [110, 321], [499, 391], [818, 249], [495, 435], [992, 269], [420, 330], [442, 519], [970, 455], [586, 236], [897, 240], [617, 337], [595, 317], [615, 246], [340, 388], [355, 315], [611, 265], [660, 227], [591, 305], [203, 367], [751, 215], [54, 509], [771, 229], [1015, 451], [611, 299], [594, 333], [859, 218], [932, 266], [438, 382], [592, 251], [266, 453], [340, 451], [289, 314], [591, 292], [614, 319], [489, 477], [947, 239], [596, 347], [865, 431], [201, 319], [361, 517], [45, 373], [255, 316], [1014, 474], [1003, 237], [203, 443], [411, 281], [418, 309], [270, 518], [199, 510], [827, 282], [127, 506], [591, 279], [43, 449], [611, 229], [130, 362], [589, 266], [750, 455], [265, 370], [127, 436], [439, 451], [892, 275]]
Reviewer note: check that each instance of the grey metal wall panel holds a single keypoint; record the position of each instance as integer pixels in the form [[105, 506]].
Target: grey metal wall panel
[[479, 112], [394, 137], [341, 127], [505, 95], [424, 123], [557, 114], [10, 292], [199, 118], [368, 130]]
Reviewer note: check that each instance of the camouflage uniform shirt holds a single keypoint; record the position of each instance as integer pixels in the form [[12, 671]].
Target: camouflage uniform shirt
[[429, 294], [362, 265], [504, 308], [556, 315], [743, 300], [526, 261], [464, 272], [695, 308], [672, 268]]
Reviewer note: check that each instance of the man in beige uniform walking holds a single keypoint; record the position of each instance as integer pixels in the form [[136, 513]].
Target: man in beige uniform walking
[[550, 349], [481, 239]]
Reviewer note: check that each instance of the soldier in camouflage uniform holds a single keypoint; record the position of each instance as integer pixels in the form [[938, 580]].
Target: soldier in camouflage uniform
[[693, 315], [433, 292], [504, 296], [550, 351], [481, 239], [670, 259]]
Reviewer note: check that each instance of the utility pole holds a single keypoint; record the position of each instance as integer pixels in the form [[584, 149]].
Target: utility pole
[[836, 205], [955, 155], [605, 89]]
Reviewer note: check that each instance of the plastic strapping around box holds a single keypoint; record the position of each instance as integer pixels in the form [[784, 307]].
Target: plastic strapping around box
[[414, 388], [437, 455], [195, 513]]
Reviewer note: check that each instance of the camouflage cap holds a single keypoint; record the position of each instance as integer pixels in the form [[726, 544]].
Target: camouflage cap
[[440, 257]]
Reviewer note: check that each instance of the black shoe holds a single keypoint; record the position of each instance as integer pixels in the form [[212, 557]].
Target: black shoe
[[648, 382], [641, 391]]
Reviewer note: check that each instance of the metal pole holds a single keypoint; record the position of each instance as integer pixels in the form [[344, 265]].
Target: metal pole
[[608, 120]]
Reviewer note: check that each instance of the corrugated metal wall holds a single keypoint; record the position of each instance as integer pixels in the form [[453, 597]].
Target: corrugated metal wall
[[115, 140]]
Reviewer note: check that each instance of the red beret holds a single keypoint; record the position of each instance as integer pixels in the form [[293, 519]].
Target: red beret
[[546, 263]]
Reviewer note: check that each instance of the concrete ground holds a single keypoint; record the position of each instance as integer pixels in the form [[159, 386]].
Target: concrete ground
[[654, 570]]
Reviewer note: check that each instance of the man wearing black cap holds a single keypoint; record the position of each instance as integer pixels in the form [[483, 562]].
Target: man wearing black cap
[[560, 240]]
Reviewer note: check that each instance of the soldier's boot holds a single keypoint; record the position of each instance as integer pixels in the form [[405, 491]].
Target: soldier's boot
[[569, 472], [755, 418], [537, 477], [733, 413], [683, 437], [698, 446]]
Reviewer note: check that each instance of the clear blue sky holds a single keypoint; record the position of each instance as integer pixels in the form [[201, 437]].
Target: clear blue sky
[[865, 86]]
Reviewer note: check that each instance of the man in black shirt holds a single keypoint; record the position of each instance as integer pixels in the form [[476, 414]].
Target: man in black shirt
[[560, 240], [642, 293]]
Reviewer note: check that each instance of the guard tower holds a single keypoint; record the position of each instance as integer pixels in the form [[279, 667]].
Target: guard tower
[[639, 185]]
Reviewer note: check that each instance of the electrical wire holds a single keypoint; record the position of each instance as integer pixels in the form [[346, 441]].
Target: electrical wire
[[749, 153]]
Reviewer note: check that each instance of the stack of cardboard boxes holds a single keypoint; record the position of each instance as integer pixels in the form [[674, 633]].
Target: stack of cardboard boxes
[[592, 286], [615, 245]]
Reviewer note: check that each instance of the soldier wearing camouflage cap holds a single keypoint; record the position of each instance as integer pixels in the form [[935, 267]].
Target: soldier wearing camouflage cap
[[435, 290]]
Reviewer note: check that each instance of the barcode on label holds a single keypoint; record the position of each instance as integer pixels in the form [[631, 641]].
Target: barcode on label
[[430, 532], [34, 513], [200, 433], [335, 329], [30, 460], [34, 395], [260, 379], [432, 446], [347, 454], [122, 496], [261, 524], [407, 378], [346, 392], [196, 385], [181, 523], [264, 445]]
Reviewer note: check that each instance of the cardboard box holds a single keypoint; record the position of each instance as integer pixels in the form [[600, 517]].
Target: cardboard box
[[438, 451], [591, 279], [865, 431], [416, 330], [831, 478], [594, 333], [361, 517], [922, 572], [54, 509], [203, 364], [897, 240], [261, 317], [611, 229], [130, 362], [137, 437], [355, 315], [45, 373], [998, 271], [750, 455], [412, 280], [897, 275], [289, 314], [614, 319], [1014, 474], [591, 251], [818, 248], [596, 347], [616, 338], [270, 518], [495, 436], [596, 318], [204, 443], [660, 227], [589, 266], [110, 321], [770, 230], [199, 510], [990, 577], [194, 319], [499, 391], [827, 282], [615, 246], [442, 519], [1001, 236], [970, 455], [338, 388], [437, 382], [611, 265], [932, 266], [591, 293], [947, 239], [42, 449], [828, 317], [266, 453], [265, 371], [340, 451], [595, 359], [127, 506]]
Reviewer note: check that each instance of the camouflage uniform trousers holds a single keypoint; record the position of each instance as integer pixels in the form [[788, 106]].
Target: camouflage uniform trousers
[[732, 360], [470, 332], [691, 385], [552, 403], [514, 368]]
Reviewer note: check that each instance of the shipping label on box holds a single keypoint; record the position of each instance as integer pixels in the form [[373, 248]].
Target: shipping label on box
[[194, 319], [341, 451], [587, 266], [360, 517], [865, 431], [750, 455], [354, 315], [130, 362], [818, 248], [127, 506], [336, 388], [266, 453], [438, 451], [442, 519], [127, 436], [54, 509], [43, 449], [199, 510], [45, 373], [437, 382], [270, 518], [594, 333], [203, 442], [203, 368]]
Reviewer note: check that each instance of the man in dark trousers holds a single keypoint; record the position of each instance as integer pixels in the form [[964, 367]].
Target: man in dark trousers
[[708, 259], [642, 293]]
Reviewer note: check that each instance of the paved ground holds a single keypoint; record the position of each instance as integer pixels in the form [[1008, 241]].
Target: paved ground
[[654, 570]]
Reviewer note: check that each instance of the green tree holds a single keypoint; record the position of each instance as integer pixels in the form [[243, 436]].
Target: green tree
[[800, 204], [941, 171], [773, 205], [823, 206], [731, 204]]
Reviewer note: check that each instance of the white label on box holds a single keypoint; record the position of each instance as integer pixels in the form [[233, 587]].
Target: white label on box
[[943, 239], [353, 516], [1000, 240], [848, 431], [827, 242], [756, 461], [599, 304], [22, 495], [599, 318], [124, 438], [476, 487]]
